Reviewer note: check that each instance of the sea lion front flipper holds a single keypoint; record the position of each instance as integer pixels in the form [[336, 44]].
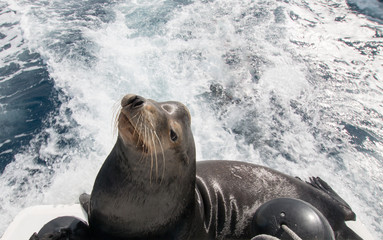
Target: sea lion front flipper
[[85, 201], [320, 184]]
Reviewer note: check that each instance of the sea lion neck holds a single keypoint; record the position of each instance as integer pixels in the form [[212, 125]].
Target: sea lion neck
[[137, 167]]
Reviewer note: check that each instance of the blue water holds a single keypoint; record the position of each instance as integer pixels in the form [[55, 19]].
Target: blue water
[[293, 85], [370, 8]]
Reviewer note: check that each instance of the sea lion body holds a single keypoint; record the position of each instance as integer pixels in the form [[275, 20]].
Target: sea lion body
[[232, 191], [150, 186]]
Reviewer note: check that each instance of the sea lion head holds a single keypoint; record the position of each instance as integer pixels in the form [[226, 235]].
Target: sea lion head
[[146, 186], [157, 135]]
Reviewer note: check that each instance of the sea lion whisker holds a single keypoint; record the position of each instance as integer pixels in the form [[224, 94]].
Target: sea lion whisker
[[151, 123], [116, 117], [155, 152], [142, 140], [151, 170], [143, 136], [136, 129], [135, 126], [142, 157], [150, 151], [140, 160], [154, 159], [163, 156], [138, 113]]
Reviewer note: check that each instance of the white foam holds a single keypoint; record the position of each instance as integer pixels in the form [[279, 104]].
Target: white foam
[[181, 63]]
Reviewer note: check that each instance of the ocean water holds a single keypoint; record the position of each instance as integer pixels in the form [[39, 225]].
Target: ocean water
[[291, 84]]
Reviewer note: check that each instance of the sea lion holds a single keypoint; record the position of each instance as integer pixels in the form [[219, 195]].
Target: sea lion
[[146, 186], [151, 187]]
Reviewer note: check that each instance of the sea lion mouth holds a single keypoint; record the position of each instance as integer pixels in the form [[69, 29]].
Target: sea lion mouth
[[131, 133], [129, 122]]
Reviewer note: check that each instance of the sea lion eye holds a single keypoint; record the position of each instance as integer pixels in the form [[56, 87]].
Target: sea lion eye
[[173, 135]]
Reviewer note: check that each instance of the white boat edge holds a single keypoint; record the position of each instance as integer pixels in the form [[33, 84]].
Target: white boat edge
[[32, 219]]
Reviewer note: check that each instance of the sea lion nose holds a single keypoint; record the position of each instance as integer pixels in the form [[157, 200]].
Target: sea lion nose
[[133, 100]]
